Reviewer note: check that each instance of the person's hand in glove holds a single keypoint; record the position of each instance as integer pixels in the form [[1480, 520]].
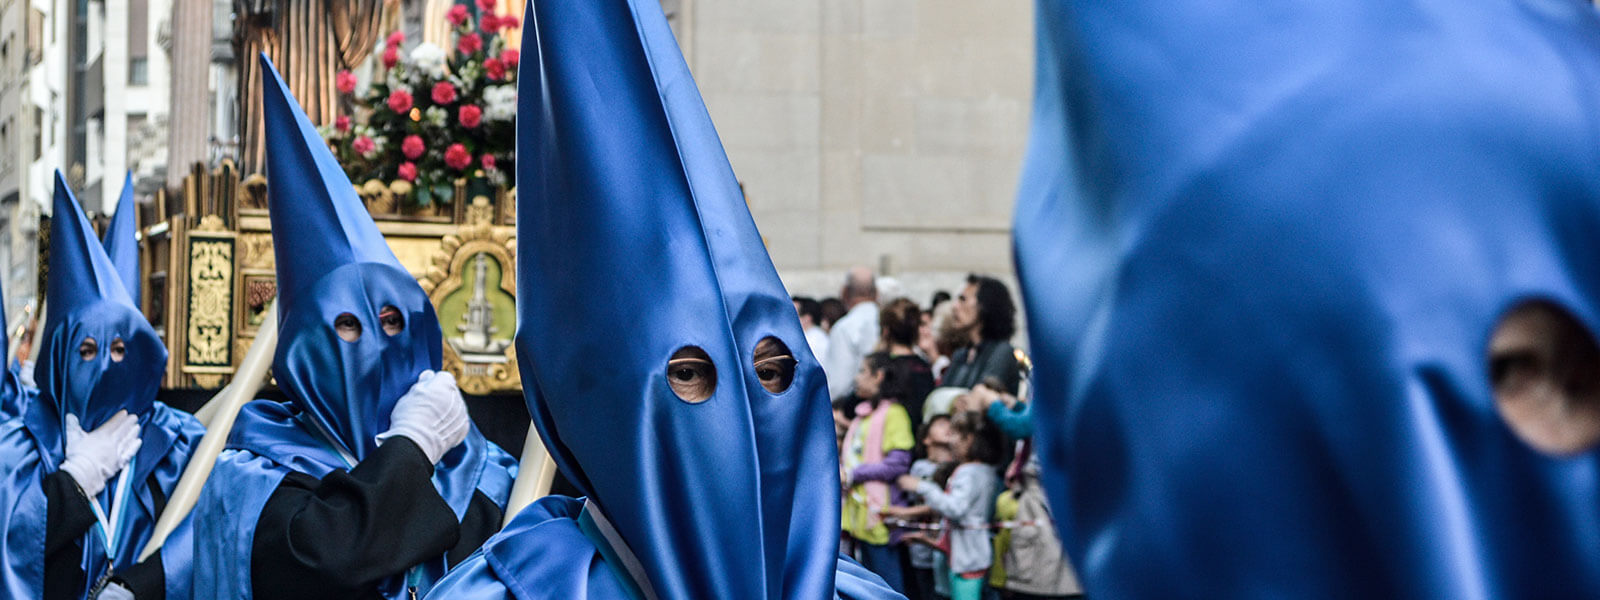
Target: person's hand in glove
[[94, 457], [432, 414]]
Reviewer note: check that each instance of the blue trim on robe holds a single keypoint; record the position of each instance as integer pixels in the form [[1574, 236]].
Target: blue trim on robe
[[29, 453], [544, 554], [269, 440]]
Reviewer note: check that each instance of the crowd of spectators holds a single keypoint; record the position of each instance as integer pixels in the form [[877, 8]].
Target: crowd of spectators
[[940, 488]]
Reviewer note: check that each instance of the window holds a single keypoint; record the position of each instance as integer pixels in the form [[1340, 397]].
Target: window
[[38, 132], [139, 71]]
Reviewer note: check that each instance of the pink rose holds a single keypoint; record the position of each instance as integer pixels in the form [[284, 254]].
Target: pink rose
[[470, 115], [345, 81], [342, 123], [444, 93], [412, 146], [486, 5], [408, 171], [489, 23], [457, 157], [400, 101], [509, 58], [457, 15], [364, 145], [495, 69], [395, 39], [469, 43], [391, 57], [509, 22], [487, 161]]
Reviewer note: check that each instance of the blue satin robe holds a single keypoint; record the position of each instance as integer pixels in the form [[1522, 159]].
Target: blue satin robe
[[169, 436], [269, 440], [544, 553]]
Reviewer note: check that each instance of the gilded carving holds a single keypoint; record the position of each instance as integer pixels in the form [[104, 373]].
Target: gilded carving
[[508, 207], [255, 251], [480, 211], [210, 223], [472, 283], [252, 193], [210, 303]]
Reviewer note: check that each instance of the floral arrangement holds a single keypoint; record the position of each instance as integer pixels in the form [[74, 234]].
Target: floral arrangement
[[429, 117]]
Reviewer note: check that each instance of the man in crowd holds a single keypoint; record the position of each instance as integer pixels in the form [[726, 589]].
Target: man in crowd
[[810, 312], [855, 335]]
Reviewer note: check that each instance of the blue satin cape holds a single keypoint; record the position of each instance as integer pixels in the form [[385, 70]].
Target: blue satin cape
[[88, 300], [544, 554], [269, 440], [331, 260], [634, 241], [1262, 247]]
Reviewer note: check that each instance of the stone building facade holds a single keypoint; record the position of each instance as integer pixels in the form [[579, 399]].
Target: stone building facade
[[880, 132]]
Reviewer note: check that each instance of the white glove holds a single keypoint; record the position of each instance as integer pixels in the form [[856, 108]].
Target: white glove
[[93, 457], [115, 591], [432, 414]]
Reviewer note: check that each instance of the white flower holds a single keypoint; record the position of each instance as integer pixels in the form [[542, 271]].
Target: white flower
[[436, 116], [500, 103], [429, 59]]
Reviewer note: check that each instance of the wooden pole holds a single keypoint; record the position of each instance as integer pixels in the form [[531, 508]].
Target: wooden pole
[[247, 380], [536, 472]]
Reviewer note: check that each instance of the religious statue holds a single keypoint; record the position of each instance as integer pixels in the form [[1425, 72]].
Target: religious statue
[[477, 324], [309, 41]]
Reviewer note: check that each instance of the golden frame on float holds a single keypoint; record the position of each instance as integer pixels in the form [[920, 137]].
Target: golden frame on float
[[495, 368]]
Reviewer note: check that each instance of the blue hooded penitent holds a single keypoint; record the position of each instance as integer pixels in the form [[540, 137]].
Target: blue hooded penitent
[[1263, 246], [634, 243], [88, 302], [121, 242], [331, 260]]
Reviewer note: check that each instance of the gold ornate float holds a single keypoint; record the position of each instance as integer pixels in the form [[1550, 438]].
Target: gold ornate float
[[208, 268]]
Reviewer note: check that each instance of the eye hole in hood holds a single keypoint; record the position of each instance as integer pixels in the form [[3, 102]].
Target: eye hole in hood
[[774, 365], [691, 375], [1544, 369], [348, 327]]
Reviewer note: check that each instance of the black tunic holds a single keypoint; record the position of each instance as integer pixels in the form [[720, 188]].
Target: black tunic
[[340, 536], [68, 518]]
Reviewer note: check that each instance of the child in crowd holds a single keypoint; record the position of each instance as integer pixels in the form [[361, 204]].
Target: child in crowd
[[933, 455], [876, 450], [966, 502]]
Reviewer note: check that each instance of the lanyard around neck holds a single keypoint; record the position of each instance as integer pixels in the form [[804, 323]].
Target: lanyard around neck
[[110, 529], [613, 550], [333, 444]]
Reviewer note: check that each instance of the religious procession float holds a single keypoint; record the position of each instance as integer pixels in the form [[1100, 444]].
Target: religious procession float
[[424, 129]]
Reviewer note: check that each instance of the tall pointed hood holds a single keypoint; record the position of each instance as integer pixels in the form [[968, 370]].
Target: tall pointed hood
[[332, 261], [1263, 247], [99, 355], [121, 243], [634, 243]]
